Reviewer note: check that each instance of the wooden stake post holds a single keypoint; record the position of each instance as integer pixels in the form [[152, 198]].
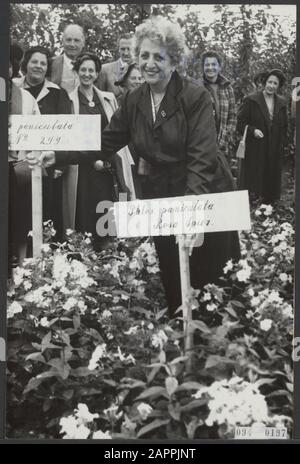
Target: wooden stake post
[[37, 209], [184, 263]]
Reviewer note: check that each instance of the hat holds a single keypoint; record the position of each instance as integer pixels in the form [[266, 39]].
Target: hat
[[274, 72]]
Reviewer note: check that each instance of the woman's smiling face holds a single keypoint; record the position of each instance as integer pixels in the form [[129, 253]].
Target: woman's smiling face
[[155, 64], [272, 85], [87, 73], [36, 68]]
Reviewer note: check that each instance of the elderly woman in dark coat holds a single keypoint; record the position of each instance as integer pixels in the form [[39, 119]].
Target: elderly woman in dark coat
[[169, 121], [265, 114]]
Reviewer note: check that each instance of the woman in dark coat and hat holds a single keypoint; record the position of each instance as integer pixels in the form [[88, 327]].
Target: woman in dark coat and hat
[[265, 114]]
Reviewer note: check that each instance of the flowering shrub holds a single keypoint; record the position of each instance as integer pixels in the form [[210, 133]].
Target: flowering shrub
[[88, 332]]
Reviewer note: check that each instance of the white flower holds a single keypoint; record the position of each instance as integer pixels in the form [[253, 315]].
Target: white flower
[[144, 410], [266, 324], [44, 322], [283, 277], [255, 301], [153, 269], [99, 435], [69, 232], [211, 307], [268, 210], [228, 267], [82, 306], [132, 331], [106, 314], [87, 241], [150, 326], [274, 297], [19, 274], [70, 303], [262, 251], [61, 267], [281, 247], [250, 292], [206, 296], [159, 339], [123, 357], [13, 309], [45, 248], [72, 430], [97, 355], [27, 285], [111, 412], [234, 402], [258, 212], [288, 311], [83, 414], [243, 275]]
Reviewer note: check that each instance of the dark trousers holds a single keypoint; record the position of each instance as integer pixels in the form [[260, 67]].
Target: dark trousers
[[206, 263]]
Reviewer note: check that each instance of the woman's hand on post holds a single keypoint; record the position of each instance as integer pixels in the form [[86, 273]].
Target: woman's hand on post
[[191, 241], [258, 134], [31, 159], [45, 160], [99, 165]]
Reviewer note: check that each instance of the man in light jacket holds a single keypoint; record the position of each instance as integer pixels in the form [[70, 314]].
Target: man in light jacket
[[112, 72]]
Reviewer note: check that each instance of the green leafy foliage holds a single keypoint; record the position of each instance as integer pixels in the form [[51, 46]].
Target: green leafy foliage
[[86, 333]]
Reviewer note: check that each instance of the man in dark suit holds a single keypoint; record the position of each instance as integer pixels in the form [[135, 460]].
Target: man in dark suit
[[73, 41], [112, 72]]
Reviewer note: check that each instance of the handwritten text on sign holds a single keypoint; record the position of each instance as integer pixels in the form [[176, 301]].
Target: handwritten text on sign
[[213, 212], [55, 132]]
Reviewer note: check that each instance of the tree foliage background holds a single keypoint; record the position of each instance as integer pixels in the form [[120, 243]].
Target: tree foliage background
[[250, 38]]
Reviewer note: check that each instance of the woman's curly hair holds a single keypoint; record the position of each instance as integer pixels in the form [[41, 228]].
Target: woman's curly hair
[[167, 34]]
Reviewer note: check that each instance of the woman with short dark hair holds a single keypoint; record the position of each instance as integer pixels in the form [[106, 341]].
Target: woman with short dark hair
[[265, 114]]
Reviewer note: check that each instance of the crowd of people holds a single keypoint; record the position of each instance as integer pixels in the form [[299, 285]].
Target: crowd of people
[[163, 134]]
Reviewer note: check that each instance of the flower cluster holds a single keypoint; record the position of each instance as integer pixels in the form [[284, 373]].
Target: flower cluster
[[212, 297], [269, 303], [76, 426], [234, 402], [145, 256]]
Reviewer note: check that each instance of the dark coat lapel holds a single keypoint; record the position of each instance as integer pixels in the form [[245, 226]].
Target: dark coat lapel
[[279, 103], [259, 98], [144, 104], [169, 104]]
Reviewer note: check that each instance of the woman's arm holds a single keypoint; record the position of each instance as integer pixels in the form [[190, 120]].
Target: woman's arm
[[115, 136], [201, 146]]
